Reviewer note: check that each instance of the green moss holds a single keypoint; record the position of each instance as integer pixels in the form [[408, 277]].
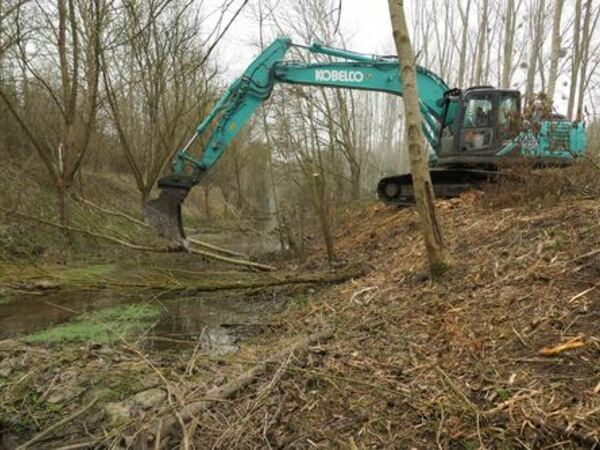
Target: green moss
[[503, 394], [470, 445], [299, 302], [87, 272], [107, 325]]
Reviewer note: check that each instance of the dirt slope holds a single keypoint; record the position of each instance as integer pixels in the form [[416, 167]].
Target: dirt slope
[[453, 364]]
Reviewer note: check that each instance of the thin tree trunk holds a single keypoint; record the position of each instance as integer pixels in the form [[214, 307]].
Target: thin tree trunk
[[536, 46], [481, 44], [584, 50], [556, 43], [425, 201], [322, 207], [576, 59], [464, 15], [509, 31], [62, 207], [207, 202]]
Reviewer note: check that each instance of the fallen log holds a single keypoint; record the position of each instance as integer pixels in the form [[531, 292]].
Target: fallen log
[[169, 425], [190, 289]]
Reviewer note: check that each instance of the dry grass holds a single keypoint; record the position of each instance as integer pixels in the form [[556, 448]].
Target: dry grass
[[454, 364]]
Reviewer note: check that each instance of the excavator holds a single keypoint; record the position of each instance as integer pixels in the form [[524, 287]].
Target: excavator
[[470, 132]]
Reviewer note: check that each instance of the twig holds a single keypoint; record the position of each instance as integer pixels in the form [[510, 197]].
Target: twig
[[57, 425], [77, 446], [229, 389], [444, 376], [582, 293]]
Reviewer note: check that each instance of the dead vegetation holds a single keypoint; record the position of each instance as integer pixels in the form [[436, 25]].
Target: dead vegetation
[[456, 364], [502, 352]]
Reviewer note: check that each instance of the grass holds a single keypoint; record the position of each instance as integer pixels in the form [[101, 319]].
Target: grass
[[87, 272], [104, 326], [4, 297]]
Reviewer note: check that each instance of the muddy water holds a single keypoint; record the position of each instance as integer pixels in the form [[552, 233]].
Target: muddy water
[[219, 320], [22, 314]]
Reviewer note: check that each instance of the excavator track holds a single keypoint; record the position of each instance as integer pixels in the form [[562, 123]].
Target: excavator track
[[447, 183]]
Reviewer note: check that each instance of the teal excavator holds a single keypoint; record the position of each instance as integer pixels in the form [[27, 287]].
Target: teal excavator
[[470, 132]]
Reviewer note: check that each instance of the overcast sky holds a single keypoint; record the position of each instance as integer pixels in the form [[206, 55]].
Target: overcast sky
[[366, 21]]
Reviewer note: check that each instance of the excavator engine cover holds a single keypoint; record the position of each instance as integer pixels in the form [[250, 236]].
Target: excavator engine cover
[[164, 212]]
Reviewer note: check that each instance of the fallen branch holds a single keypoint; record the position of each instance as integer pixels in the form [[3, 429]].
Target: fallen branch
[[226, 259], [189, 411], [215, 248], [137, 247], [143, 224], [57, 425]]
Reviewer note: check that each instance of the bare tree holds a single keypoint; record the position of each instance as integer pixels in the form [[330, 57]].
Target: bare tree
[[157, 85], [537, 29], [556, 47], [72, 42], [436, 250]]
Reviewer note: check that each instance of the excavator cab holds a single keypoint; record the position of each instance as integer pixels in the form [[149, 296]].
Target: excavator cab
[[485, 121], [475, 125]]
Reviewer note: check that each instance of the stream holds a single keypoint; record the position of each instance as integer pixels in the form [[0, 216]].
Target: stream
[[220, 320]]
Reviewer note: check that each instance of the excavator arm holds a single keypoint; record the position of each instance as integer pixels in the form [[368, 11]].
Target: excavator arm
[[246, 94]]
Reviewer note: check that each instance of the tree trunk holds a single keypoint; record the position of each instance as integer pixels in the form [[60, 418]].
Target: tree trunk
[[207, 202], [576, 59], [556, 43], [509, 39], [481, 45], [63, 220], [322, 207], [425, 201], [584, 51], [536, 46], [302, 245], [464, 15], [63, 214], [144, 196], [355, 182]]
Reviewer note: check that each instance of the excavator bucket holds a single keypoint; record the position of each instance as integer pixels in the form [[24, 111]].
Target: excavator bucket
[[164, 214]]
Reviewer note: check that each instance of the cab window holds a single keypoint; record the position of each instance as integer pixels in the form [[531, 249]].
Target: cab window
[[507, 116], [478, 113]]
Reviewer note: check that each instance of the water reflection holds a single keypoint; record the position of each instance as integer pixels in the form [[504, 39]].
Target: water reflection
[[219, 320]]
